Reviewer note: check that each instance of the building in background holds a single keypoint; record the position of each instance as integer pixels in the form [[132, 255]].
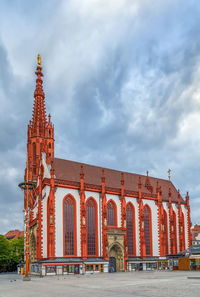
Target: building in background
[[94, 219], [195, 233], [14, 234], [185, 260]]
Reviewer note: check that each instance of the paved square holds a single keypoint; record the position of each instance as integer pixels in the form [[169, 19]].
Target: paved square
[[151, 284]]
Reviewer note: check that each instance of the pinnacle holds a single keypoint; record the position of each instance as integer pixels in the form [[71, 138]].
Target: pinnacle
[[39, 110]]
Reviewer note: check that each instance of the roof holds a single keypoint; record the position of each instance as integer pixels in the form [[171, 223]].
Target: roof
[[67, 170], [148, 259], [70, 260], [61, 260], [192, 250], [14, 234], [195, 230]]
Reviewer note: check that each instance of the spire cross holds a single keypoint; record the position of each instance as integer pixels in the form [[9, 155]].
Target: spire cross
[[169, 173]]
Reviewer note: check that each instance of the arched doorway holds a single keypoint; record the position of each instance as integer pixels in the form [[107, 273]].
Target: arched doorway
[[116, 258], [32, 247]]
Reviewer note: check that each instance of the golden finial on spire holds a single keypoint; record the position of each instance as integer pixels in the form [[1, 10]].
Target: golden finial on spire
[[39, 60]]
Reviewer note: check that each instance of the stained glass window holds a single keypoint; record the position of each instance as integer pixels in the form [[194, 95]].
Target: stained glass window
[[182, 248], [111, 214], [173, 231], [69, 226], [147, 230], [129, 228], [91, 228], [165, 231]]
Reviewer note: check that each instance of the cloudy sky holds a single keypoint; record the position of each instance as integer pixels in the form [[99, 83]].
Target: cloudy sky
[[122, 83]]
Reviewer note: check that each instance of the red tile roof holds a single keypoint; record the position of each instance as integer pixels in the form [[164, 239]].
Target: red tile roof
[[14, 234], [70, 171], [195, 230]]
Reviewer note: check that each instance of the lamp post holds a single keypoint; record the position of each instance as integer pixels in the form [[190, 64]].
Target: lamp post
[[29, 198]]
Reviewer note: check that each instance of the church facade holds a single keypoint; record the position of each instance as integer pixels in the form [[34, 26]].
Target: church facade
[[93, 219]]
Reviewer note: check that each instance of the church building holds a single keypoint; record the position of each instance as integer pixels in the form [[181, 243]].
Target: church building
[[90, 219]]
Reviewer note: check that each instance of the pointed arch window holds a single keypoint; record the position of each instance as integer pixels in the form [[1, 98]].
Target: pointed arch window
[[130, 228], [147, 229], [111, 214], [182, 232], [69, 226], [34, 153], [165, 231], [92, 238], [34, 158], [174, 234]]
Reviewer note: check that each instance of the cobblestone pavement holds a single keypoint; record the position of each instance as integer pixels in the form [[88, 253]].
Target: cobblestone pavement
[[139, 284]]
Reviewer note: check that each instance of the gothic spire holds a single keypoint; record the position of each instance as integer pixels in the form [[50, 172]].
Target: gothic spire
[[40, 131], [39, 112]]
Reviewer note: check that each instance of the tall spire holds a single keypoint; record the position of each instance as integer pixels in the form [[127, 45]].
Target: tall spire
[[40, 131], [39, 111]]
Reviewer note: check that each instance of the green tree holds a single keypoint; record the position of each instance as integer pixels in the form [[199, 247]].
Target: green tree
[[11, 253], [17, 249], [4, 253]]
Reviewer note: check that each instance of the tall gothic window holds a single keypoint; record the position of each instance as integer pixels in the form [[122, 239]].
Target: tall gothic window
[[91, 228], [174, 234], [111, 210], [34, 158], [182, 246], [69, 225], [147, 230], [165, 231], [130, 217], [34, 153]]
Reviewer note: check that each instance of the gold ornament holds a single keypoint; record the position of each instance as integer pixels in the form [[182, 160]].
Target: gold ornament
[[39, 60]]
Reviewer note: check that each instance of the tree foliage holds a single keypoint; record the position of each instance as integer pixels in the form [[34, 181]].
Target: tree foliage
[[11, 253]]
